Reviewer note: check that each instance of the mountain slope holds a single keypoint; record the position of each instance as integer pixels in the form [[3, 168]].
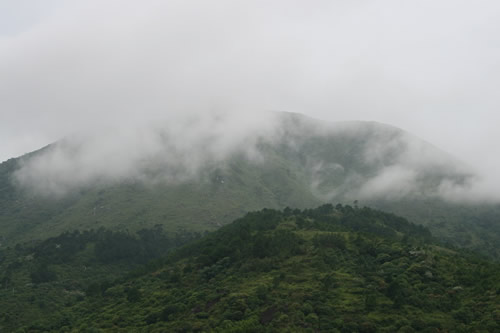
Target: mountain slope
[[220, 195], [303, 163]]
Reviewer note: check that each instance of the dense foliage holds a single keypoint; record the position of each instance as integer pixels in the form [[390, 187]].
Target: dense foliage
[[39, 280], [335, 269]]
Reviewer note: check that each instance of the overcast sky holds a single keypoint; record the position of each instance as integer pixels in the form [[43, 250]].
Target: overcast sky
[[431, 67]]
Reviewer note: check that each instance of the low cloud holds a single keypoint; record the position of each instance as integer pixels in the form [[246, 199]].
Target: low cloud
[[340, 161], [143, 85], [371, 161], [167, 152], [393, 182]]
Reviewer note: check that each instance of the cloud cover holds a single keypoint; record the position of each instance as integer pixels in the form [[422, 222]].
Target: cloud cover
[[171, 152], [118, 66]]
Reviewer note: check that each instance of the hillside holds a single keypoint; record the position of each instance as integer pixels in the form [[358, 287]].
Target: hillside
[[335, 269], [41, 279], [304, 163]]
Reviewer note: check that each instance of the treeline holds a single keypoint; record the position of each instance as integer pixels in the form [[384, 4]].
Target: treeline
[[246, 237], [110, 246], [100, 247]]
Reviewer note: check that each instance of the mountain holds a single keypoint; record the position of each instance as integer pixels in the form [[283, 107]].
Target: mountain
[[302, 163], [331, 269]]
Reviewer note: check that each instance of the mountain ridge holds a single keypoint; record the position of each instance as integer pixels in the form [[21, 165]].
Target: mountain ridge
[[302, 163]]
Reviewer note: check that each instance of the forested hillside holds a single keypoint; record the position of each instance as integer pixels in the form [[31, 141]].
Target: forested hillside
[[335, 269], [40, 279]]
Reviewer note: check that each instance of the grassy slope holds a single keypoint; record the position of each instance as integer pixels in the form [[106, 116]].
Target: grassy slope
[[205, 204]]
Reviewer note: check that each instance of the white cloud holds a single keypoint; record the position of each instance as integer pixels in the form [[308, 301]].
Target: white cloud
[[167, 152], [430, 67]]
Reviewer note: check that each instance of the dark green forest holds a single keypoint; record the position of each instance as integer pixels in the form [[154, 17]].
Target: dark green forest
[[40, 279], [333, 269]]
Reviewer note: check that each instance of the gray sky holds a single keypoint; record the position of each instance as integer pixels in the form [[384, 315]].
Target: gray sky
[[431, 67]]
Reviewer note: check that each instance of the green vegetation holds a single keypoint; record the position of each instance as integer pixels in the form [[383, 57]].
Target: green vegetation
[[467, 225], [40, 279], [219, 196], [335, 269]]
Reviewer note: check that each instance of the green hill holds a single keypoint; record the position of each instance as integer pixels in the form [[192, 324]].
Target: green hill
[[331, 269], [304, 163]]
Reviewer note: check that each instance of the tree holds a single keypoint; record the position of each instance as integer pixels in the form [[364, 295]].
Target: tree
[[42, 274]]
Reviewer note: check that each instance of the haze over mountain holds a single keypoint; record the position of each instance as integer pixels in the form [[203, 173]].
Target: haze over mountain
[[137, 88], [202, 173], [365, 160], [139, 138], [428, 67]]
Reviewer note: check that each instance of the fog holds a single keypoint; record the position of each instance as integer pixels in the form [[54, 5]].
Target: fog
[[164, 152], [112, 77]]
